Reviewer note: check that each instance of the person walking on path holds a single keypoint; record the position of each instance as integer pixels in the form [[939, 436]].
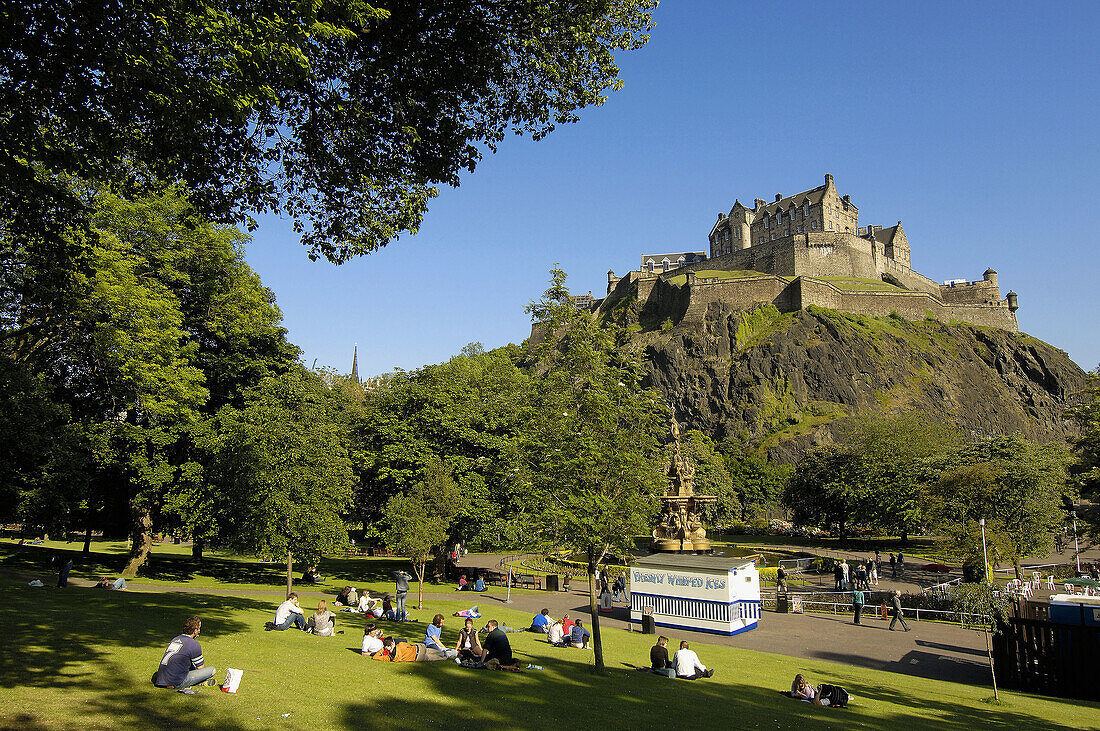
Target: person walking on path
[[845, 571], [894, 565], [901, 563], [402, 591], [781, 580], [857, 604], [838, 577], [895, 611]]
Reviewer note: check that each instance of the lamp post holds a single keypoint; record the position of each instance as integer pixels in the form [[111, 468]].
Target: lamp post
[[985, 554], [1076, 547]]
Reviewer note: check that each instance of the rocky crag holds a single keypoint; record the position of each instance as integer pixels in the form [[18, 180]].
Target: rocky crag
[[782, 382]]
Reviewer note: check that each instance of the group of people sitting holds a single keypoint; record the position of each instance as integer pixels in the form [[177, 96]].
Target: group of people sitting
[[351, 600], [289, 614], [684, 664], [495, 652], [563, 632], [478, 584]]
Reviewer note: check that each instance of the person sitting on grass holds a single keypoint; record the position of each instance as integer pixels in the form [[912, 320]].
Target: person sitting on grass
[[658, 658], [387, 608], [556, 635], [433, 638], [479, 585], [347, 598], [182, 665], [372, 639], [369, 606], [824, 695], [289, 613], [579, 636], [463, 585], [469, 646], [687, 664], [323, 622], [393, 651], [566, 625], [541, 622], [496, 651]]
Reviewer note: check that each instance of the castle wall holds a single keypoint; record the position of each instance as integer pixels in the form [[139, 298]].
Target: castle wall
[[740, 293], [981, 292]]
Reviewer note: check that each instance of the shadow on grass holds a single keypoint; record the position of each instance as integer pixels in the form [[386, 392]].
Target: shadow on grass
[[64, 641], [572, 696], [168, 568]]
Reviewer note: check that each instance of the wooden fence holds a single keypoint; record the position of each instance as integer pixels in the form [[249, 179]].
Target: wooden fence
[[1047, 657]]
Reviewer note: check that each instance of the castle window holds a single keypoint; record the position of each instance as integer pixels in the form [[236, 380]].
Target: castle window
[[779, 217], [805, 210], [813, 225], [765, 221]]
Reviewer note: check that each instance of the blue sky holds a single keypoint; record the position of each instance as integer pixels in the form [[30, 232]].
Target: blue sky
[[975, 124]]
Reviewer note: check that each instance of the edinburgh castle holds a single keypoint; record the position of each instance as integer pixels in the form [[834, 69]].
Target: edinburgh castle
[[808, 249]]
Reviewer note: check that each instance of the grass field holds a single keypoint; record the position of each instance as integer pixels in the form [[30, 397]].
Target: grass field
[[172, 565], [82, 658]]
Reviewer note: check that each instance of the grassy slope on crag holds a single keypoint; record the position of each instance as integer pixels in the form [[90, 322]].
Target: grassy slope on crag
[[82, 658]]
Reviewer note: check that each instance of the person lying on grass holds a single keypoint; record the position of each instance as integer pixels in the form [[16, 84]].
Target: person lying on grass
[[372, 639], [472, 613], [825, 695], [106, 583], [182, 665], [687, 664], [407, 652]]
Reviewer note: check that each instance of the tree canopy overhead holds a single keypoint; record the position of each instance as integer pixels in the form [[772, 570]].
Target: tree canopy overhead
[[341, 114]]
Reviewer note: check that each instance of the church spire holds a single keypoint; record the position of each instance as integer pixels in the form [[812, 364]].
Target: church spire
[[355, 364]]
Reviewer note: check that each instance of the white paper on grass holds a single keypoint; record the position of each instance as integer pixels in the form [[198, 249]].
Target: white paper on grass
[[232, 680]]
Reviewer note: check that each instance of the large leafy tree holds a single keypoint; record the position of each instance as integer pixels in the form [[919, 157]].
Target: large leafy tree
[[1019, 488], [466, 412], [419, 519], [343, 114], [591, 451], [1086, 468], [828, 490], [901, 453], [283, 470], [160, 324]]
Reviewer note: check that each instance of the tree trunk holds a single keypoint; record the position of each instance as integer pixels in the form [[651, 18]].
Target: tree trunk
[[289, 572], [420, 580], [594, 611], [87, 537], [141, 539], [904, 537], [196, 550], [1016, 566]]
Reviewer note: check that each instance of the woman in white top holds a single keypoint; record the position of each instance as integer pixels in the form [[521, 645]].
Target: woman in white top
[[372, 639], [556, 635]]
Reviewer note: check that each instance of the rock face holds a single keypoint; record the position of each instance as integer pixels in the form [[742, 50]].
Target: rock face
[[782, 382]]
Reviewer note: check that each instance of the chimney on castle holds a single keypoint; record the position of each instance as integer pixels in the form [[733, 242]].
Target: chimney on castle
[[778, 197], [828, 179], [758, 204]]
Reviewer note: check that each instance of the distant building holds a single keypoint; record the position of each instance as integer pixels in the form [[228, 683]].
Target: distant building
[[661, 263]]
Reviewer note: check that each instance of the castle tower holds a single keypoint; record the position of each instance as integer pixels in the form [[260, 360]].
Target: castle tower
[[355, 364]]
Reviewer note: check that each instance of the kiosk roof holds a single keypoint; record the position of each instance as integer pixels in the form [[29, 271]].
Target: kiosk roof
[[694, 561]]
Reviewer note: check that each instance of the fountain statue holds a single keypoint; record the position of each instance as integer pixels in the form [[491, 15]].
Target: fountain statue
[[679, 527]]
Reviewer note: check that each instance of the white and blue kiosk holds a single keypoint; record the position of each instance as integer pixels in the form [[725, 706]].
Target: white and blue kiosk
[[702, 593]]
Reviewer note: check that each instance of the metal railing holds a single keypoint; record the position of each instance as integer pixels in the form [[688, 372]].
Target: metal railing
[[881, 611]]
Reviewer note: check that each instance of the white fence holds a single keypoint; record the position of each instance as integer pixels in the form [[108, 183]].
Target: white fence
[[796, 565]]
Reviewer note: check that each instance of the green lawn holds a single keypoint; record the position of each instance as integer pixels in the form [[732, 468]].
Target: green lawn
[[172, 565], [82, 658]]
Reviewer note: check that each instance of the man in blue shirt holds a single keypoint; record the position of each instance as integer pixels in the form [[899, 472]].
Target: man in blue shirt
[[182, 665], [432, 637], [541, 622]]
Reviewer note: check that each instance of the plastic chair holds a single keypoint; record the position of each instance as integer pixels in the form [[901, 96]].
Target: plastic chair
[[1050, 582], [1068, 588]]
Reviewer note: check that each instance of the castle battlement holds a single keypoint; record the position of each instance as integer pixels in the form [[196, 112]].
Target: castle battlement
[[810, 249]]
